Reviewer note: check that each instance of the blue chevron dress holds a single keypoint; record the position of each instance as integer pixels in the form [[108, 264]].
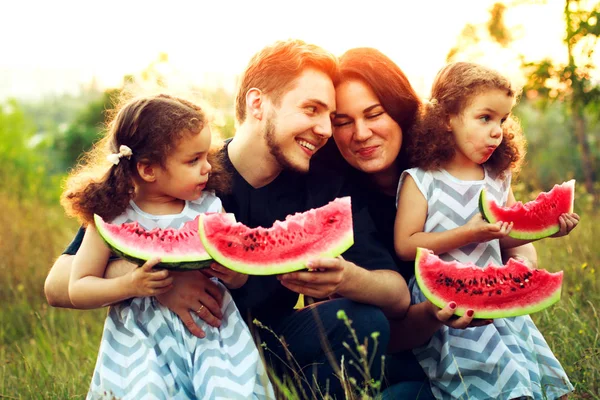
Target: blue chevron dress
[[504, 360], [147, 353]]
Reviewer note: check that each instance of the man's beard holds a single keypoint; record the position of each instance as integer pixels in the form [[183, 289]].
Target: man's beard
[[276, 150]]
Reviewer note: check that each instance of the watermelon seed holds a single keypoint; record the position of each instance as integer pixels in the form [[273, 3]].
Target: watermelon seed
[[499, 291], [513, 289], [229, 244]]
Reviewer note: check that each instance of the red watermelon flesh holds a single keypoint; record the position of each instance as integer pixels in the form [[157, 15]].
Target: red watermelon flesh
[[178, 248], [492, 292], [536, 219], [284, 247]]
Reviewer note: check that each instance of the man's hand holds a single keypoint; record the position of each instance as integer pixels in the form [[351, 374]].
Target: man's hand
[[231, 279], [323, 279], [194, 292]]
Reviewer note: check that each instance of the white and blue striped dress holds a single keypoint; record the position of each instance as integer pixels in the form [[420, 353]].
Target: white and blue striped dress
[[147, 353], [504, 360]]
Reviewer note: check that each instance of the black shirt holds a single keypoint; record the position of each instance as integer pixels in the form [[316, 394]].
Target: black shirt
[[264, 297]]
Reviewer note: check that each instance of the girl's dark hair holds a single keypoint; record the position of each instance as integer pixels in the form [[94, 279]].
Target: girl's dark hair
[[454, 87], [390, 85], [151, 127]]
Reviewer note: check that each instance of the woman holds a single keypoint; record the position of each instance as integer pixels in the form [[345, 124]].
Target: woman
[[376, 110]]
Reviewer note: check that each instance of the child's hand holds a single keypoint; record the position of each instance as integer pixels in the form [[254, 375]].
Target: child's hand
[[482, 231], [568, 222], [146, 281], [231, 279]]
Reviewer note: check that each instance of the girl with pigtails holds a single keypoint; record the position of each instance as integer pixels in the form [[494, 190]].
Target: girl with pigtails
[[152, 167], [467, 141]]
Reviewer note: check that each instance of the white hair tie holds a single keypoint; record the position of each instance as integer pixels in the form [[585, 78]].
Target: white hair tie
[[124, 151]]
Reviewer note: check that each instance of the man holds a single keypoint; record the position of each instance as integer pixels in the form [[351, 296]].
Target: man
[[284, 107]]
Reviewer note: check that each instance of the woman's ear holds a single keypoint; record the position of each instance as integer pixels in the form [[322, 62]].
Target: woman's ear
[[146, 171], [254, 103]]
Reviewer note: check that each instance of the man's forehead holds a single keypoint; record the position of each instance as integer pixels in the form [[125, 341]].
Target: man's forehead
[[313, 86]]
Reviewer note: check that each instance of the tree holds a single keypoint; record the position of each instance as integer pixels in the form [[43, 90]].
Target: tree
[[572, 82]]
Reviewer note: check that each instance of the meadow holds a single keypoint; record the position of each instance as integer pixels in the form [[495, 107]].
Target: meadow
[[49, 353]]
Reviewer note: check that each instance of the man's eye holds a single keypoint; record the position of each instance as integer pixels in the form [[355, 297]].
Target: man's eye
[[484, 118], [194, 161], [311, 109]]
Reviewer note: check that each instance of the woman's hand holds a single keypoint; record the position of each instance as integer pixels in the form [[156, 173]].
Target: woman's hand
[[446, 316], [146, 281], [194, 292], [567, 222], [482, 231], [322, 280], [231, 279]]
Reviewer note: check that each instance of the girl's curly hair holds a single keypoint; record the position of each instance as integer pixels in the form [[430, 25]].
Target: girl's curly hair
[[151, 126], [454, 87]]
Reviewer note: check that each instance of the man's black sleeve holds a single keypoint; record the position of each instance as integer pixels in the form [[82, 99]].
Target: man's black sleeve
[[76, 243]]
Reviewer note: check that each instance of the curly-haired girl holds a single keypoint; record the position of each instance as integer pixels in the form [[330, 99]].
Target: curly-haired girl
[[152, 167], [467, 140]]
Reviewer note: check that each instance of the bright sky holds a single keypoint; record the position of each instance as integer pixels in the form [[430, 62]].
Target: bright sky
[[54, 46]]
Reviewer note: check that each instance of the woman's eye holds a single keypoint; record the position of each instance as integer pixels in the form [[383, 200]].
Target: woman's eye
[[484, 118], [375, 115], [194, 161], [503, 120], [338, 124]]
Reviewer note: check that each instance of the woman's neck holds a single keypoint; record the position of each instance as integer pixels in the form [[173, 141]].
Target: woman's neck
[[386, 181]]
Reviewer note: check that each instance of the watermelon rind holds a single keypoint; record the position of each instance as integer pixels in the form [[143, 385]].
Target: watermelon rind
[[168, 261], [273, 267], [501, 312], [488, 214]]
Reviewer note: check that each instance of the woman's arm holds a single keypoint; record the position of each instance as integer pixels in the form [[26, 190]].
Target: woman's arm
[[89, 289], [410, 221], [422, 321]]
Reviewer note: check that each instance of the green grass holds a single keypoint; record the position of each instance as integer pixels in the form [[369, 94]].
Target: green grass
[[49, 353]]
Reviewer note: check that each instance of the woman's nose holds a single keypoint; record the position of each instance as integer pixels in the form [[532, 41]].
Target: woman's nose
[[362, 132]]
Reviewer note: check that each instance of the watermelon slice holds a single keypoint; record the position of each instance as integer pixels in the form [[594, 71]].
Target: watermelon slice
[[492, 292], [179, 249], [536, 219], [284, 247]]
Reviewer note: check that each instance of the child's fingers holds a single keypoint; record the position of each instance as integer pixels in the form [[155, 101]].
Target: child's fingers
[[160, 283], [161, 290], [157, 275], [148, 265], [506, 228]]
